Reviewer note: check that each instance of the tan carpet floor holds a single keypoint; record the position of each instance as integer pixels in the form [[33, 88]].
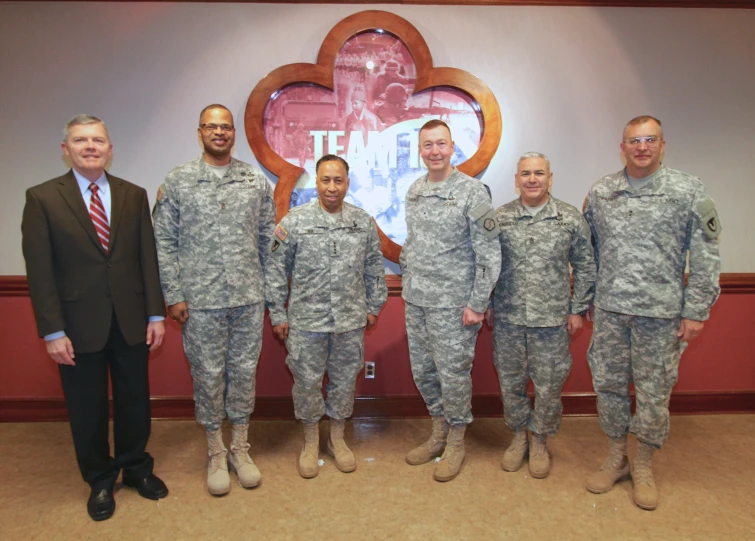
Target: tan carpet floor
[[705, 474]]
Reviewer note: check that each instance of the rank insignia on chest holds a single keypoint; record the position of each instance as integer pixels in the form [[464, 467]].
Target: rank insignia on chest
[[281, 233], [489, 224], [559, 217]]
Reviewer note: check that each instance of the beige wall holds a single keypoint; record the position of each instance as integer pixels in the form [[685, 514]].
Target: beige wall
[[567, 79]]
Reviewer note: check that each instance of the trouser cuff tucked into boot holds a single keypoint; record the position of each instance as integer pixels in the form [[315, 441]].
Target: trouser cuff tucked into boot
[[449, 465], [540, 460], [514, 456], [218, 480], [338, 449], [615, 467], [308, 465], [433, 447], [645, 493], [239, 460]]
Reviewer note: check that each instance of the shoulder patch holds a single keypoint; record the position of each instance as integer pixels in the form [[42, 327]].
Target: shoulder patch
[[709, 223], [160, 192], [281, 233], [489, 224]]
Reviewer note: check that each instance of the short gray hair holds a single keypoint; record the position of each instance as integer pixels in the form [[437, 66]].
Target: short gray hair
[[528, 155], [639, 120], [79, 120]]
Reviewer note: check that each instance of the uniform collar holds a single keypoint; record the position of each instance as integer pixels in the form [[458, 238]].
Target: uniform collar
[[348, 216], [548, 211], [443, 189], [204, 174], [657, 186]]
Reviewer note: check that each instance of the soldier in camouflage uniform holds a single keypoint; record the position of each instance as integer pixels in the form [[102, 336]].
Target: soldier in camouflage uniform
[[645, 221], [450, 263], [534, 309], [214, 219], [331, 252]]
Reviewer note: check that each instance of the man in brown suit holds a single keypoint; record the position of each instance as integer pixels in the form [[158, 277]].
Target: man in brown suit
[[93, 277]]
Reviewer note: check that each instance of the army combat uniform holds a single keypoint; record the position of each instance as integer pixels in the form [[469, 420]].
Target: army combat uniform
[[642, 238], [212, 239], [531, 303], [450, 261], [337, 278]]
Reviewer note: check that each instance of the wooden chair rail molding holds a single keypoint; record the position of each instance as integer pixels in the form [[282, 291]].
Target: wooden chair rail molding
[[731, 283], [729, 4], [385, 407]]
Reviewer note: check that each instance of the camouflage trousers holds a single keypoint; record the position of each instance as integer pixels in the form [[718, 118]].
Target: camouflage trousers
[[441, 350], [540, 353], [310, 356], [223, 347], [645, 350]]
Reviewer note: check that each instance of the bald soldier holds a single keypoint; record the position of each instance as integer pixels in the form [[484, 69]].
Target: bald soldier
[[450, 263], [534, 311], [647, 220], [330, 251]]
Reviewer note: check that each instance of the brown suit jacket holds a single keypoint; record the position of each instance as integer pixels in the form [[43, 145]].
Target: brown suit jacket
[[74, 285]]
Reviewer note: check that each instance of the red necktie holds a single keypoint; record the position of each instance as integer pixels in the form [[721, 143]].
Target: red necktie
[[99, 218]]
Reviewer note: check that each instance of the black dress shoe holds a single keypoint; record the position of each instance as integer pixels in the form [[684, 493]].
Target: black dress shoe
[[101, 504], [150, 487]]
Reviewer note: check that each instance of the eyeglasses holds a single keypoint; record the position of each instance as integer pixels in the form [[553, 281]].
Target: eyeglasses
[[649, 140], [212, 127]]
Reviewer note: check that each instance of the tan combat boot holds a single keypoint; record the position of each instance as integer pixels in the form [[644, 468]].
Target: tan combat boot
[[453, 457], [514, 455], [337, 448], [615, 468], [239, 460], [310, 453], [218, 480], [540, 460], [645, 492], [433, 447]]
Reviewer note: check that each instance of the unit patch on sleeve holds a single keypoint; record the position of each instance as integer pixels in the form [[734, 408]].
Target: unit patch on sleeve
[[711, 227]]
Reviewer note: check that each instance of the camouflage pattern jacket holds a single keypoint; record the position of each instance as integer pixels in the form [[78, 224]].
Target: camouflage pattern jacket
[[212, 235], [533, 289], [642, 238], [336, 270], [451, 257]]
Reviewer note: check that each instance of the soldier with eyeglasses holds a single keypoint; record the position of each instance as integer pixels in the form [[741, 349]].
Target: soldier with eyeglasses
[[646, 221], [214, 219]]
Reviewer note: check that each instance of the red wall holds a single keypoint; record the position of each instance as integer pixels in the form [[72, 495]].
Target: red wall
[[722, 359]]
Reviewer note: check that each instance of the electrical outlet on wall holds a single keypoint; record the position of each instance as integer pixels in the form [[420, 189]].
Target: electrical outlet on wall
[[369, 370]]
